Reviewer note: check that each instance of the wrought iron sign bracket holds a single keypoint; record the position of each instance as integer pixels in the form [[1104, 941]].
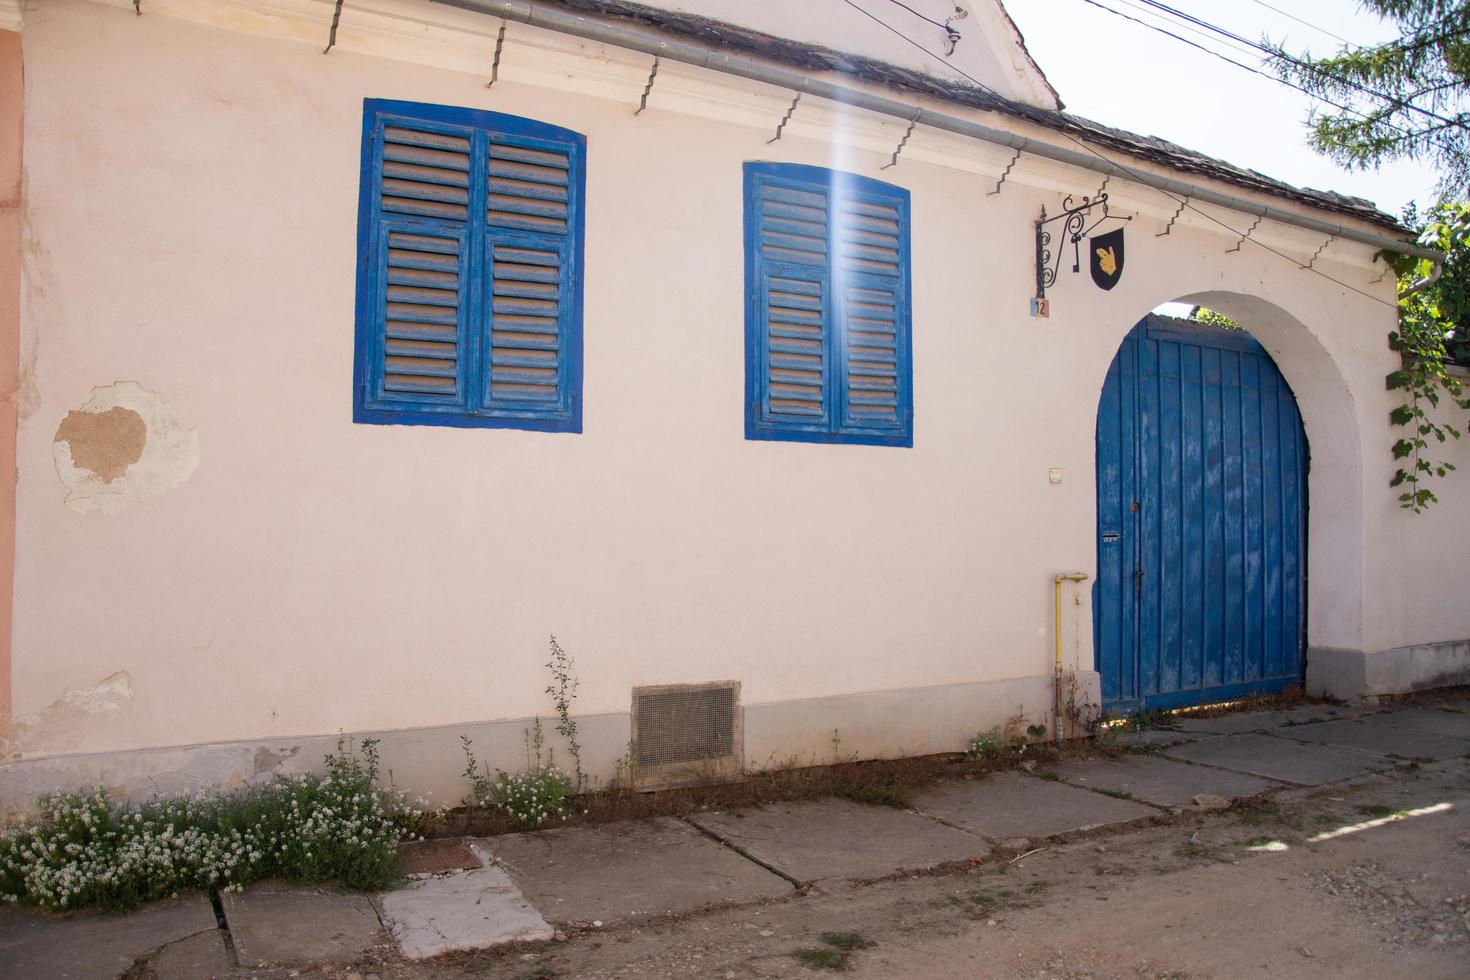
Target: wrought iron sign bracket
[[1074, 229]]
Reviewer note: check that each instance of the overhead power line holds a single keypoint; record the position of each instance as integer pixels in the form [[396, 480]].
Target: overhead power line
[[1304, 65], [1182, 202], [1304, 23], [1267, 75], [900, 3]]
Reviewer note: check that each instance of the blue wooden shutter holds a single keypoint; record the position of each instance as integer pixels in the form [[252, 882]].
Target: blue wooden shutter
[[870, 238], [469, 309], [792, 306], [827, 331], [532, 225], [420, 255]]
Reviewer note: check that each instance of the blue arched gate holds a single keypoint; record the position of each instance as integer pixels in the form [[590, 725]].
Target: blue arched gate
[[1201, 514]]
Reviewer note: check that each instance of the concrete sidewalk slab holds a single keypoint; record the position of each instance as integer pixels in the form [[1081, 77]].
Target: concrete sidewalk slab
[[1290, 760], [477, 909], [278, 924], [1162, 782], [1260, 721], [1432, 721], [625, 870], [1379, 737], [824, 840], [95, 946], [201, 957], [1010, 805]]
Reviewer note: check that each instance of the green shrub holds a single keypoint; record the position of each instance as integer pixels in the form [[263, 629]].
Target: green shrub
[[987, 745], [84, 851]]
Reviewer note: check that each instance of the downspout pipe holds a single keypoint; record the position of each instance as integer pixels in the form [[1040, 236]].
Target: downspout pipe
[[553, 19], [1057, 677]]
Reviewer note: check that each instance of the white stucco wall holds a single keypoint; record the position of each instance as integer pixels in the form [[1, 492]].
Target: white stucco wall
[[191, 207]]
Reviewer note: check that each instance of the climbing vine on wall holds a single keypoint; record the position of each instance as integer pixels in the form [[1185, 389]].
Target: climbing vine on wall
[[1433, 334]]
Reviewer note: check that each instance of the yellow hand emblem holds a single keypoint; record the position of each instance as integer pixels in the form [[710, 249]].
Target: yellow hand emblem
[[1106, 261]]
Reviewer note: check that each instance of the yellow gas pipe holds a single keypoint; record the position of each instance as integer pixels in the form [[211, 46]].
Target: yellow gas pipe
[[1057, 594]]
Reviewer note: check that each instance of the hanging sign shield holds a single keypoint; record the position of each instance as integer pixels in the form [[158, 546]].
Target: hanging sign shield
[[1107, 258]]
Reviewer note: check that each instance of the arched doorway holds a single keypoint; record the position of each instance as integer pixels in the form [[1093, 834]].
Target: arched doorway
[[1202, 520]]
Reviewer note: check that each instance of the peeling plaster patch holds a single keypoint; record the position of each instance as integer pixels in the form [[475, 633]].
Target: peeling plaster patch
[[269, 760], [106, 443], [125, 444], [65, 723]]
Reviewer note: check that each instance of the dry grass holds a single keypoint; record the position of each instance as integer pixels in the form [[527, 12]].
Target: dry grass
[[882, 782]]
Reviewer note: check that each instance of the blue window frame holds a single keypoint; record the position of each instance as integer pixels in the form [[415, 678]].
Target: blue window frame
[[827, 338], [469, 278]]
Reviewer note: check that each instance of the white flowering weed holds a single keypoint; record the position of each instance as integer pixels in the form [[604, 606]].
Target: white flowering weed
[[82, 851], [533, 797]]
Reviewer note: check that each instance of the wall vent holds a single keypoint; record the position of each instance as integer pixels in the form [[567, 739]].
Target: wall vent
[[686, 733]]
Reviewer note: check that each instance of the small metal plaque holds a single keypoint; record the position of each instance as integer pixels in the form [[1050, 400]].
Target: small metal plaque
[[1111, 537]]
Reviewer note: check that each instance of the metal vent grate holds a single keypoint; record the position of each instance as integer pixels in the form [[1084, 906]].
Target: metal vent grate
[[686, 726]]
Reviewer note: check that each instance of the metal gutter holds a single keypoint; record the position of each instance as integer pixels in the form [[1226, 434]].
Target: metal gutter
[[552, 19]]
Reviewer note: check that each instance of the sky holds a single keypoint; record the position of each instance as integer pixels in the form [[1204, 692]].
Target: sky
[[1120, 73]]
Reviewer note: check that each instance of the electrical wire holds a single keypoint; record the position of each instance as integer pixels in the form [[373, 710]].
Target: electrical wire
[[1308, 66], [1304, 23], [1282, 81], [943, 27], [1132, 4], [1182, 202]]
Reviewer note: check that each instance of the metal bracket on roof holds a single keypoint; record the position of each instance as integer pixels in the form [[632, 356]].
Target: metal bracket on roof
[[1320, 249], [1183, 203], [1245, 236], [332, 35], [643, 99], [903, 142], [495, 64], [1004, 174], [791, 110]]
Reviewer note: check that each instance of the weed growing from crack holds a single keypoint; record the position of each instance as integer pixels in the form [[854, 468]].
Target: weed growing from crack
[[563, 691], [822, 959], [540, 794], [894, 796], [987, 745], [1254, 816], [1380, 810], [848, 941], [1117, 794]]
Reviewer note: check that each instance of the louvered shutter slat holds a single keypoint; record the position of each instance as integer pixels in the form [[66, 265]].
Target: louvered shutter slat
[[424, 293], [425, 173], [796, 340], [529, 187], [871, 309]]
